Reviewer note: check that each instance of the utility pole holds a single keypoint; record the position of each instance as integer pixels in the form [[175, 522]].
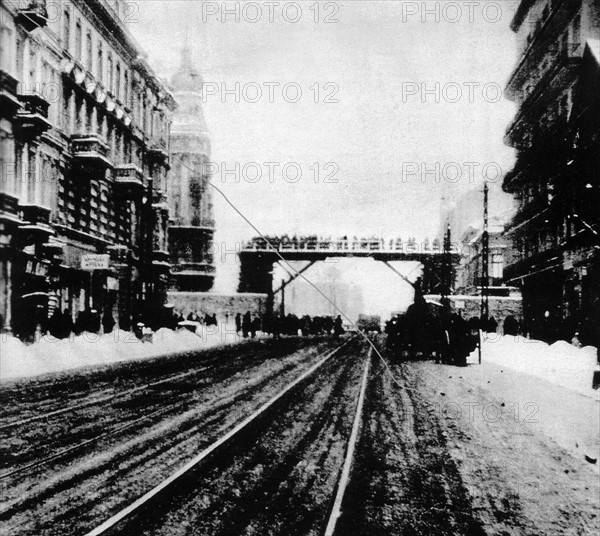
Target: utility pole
[[445, 290], [485, 268], [447, 267], [485, 259]]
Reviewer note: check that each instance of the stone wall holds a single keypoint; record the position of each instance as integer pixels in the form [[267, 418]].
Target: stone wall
[[500, 307]]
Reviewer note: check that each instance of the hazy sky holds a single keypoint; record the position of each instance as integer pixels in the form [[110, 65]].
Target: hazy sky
[[380, 128]]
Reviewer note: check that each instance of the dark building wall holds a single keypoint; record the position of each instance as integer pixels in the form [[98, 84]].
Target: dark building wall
[[555, 180]]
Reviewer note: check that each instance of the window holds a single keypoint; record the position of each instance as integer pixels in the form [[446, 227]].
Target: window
[[20, 54], [89, 50], [78, 41], [99, 123], [143, 112], [126, 88], [118, 81], [497, 265], [52, 93], [100, 64], [66, 29], [126, 149], [111, 139], [78, 113], [32, 68], [6, 55], [89, 115], [66, 123], [110, 75]]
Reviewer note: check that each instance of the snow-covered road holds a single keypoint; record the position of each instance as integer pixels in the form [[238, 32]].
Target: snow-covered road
[[518, 441]]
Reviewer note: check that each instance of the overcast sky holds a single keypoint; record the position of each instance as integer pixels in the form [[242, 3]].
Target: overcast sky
[[378, 131]]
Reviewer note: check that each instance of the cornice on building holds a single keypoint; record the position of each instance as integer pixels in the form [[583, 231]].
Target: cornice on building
[[541, 28], [521, 13]]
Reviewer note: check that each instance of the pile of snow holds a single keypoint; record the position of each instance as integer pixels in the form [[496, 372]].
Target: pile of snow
[[560, 363], [53, 355]]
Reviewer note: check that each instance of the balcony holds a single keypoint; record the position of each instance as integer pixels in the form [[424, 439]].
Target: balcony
[[33, 16], [9, 209], [158, 152], [90, 151], [32, 118], [36, 224], [9, 101], [129, 175], [533, 263], [552, 24], [558, 66]]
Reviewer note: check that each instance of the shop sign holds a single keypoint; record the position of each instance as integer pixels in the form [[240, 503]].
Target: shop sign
[[94, 262]]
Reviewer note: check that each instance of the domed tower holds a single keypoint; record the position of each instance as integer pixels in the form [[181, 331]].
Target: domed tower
[[190, 198]]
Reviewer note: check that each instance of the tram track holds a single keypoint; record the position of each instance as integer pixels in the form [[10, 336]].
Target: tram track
[[218, 406], [121, 380], [404, 481], [125, 520], [84, 424], [28, 496], [102, 400], [329, 396]]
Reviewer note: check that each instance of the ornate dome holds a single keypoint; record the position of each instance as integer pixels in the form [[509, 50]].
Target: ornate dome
[[187, 77], [188, 120]]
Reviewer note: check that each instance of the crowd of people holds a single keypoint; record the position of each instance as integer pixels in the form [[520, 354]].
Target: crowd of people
[[248, 325], [426, 331], [345, 242]]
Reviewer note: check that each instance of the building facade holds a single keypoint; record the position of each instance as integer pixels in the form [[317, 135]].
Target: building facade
[[192, 221], [85, 159], [555, 180]]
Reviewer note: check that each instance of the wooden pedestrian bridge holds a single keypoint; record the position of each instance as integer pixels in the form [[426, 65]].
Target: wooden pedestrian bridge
[[258, 255]]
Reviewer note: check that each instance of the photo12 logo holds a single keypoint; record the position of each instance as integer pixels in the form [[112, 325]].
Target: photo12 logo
[[450, 92], [269, 11], [271, 92], [271, 172], [449, 12], [451, 172]]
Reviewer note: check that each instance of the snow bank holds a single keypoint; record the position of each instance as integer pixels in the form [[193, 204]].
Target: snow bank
[[53, 355], [560, 363]]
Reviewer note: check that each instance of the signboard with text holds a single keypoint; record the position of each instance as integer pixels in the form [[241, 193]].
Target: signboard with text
[[94, 262]]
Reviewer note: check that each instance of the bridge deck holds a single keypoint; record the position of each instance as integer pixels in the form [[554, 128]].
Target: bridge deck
[[321, 250]]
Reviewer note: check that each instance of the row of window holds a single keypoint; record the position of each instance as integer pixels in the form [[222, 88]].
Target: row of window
[[114, 75], [90, 208], [545, 238]]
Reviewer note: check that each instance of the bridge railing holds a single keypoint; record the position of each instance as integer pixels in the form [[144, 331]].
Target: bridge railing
[[343, 246]]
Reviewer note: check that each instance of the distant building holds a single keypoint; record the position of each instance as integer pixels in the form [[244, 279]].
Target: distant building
[[465, 218], [469, 274], [190, 197], [85, 129], [555, 180]]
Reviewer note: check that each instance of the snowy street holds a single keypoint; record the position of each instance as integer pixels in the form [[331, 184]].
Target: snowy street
[[519, 440], [482, 449]]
